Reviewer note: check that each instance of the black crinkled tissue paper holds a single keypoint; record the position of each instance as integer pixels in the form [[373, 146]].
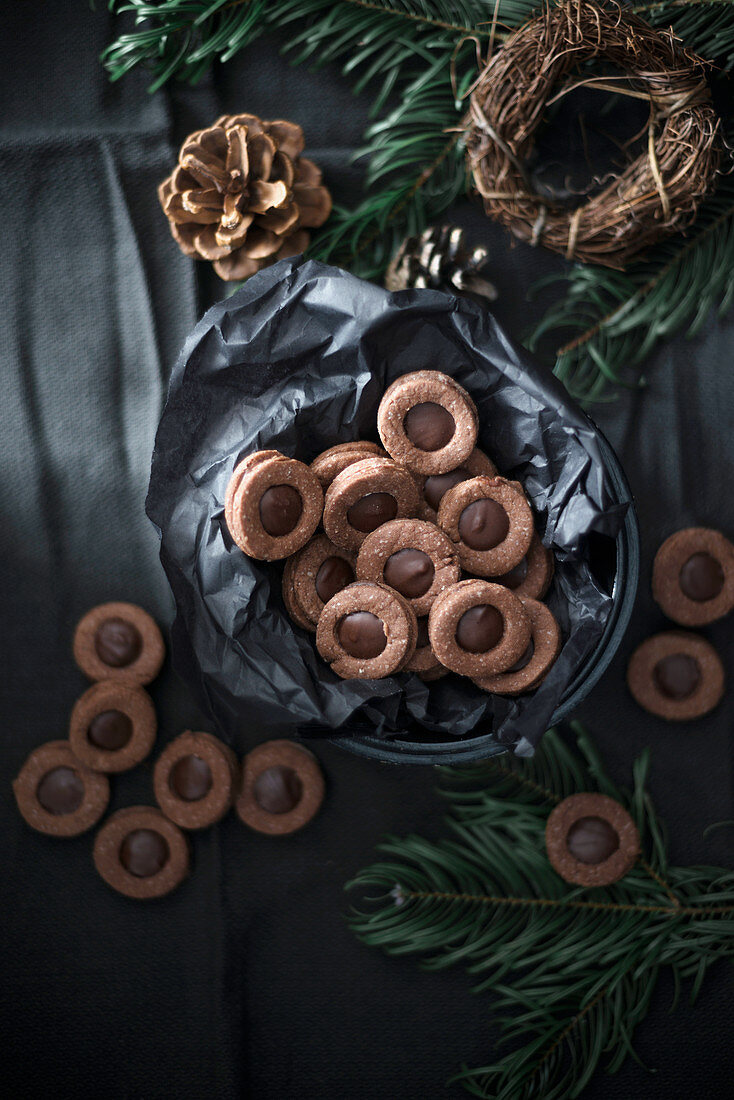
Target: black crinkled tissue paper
[[297, 360]]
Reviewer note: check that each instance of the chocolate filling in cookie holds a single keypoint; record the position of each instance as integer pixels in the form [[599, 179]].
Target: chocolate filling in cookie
[[57, 794], [409, 572], [591, 840], [693, 576], [429, 426], [371, 511], [333, 575], [367, 631], [282, 788], [676, 675], [119, 641], [140, 853], [195, 780], [281, 508], [480, 628], [112, 726]]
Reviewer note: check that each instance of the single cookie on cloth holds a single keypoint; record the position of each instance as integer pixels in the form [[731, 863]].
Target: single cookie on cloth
[[195, 780], [366, 495], [531, 577], [317, 573], [57, 794], [490, 523], [693, 576], [424, 661], [332, 461], [282, 788], [140, 853], [273, 505], [292, 606], [427, 422], [112, 726], [591, 840], [676, 675], [367, 631], [537, 660], [434, 486], [411, 556], [478, 629], [119, 641]]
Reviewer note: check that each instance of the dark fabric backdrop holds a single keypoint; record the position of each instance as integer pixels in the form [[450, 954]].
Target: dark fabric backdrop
[[247, 982]]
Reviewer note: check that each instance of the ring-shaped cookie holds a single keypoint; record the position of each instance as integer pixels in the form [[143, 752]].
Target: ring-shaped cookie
[[379, 478], [125, 705], [515, 529], [434, 487], [119, 641], [332, 461], [445, 617], [532, 575], [377, 601], [417, 557], [676, 675], [292, 606], [247, 524], [292, 794], [542, 651], [320, 567], [110, 850], [693, 545], [248, 463], [195, 780], [603, 863], [71, 800], [427, 389]]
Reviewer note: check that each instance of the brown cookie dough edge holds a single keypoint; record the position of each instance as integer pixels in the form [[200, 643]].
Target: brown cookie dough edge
[[288, 754], [107, 845], [58, 754], [225, 780], [645, 692], [131, 700], [141, 671], [572, 870]]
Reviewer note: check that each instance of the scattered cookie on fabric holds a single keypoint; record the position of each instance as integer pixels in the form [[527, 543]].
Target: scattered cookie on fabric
[[411, 556], [424, 661], [119, 641], [490, 522], [693, 576], [367, 631], [536, 661], [56, 794], [591, 840], [532, 576], [140, 853], [273, 505], [195, 780], [332, 461], [112, 726], [282, 788], [317, 573], [366, 495], [478, 629], [427, 422], [434, 486], [292, 606], [676, 675]]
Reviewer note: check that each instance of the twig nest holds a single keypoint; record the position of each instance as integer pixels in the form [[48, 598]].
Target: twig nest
[[591, 840], [656, 194]]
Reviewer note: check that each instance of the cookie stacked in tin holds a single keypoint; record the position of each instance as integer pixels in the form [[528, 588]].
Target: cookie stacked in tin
[[415, 555]]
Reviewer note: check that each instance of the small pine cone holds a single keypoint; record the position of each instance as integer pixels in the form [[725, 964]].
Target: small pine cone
[[439, 260], [242, 196]]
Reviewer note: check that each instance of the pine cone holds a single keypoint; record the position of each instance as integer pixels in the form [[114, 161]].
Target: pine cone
[[242, 196], [439, 260]]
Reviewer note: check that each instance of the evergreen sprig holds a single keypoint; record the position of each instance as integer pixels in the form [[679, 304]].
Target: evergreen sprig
[[571, 970], [404, 52]]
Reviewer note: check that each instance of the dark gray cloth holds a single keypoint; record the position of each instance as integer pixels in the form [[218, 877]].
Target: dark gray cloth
[[247, 982]]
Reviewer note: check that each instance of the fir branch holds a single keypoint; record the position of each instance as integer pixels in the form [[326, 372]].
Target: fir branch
[[615, 318], [571, 970]]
